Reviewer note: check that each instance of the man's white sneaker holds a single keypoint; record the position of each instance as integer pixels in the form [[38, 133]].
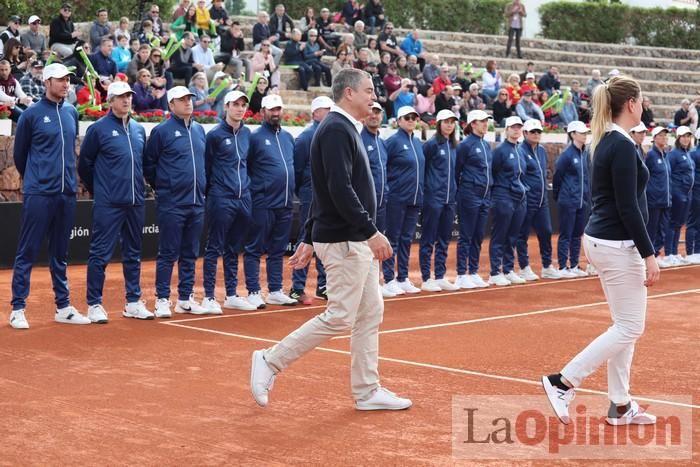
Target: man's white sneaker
[[162, 309], [682, 260], [567, 274], [69, 315], [234, 302], [550, 272], [673, 260], [430, 286], [190, 306], [262, 378], [499, 280], [578, 272], [446, 285], [212, 306], [528, 274], [559, 399], [478, 281], [387, 291], [18, 320], [634, 416], [280, 298], [255, 299], [513, 278], [694, 258], [464, 282], [137, 310], [383, 399], [408, 287], [663, 262], [97, 314], [591, 270], [395, 288]]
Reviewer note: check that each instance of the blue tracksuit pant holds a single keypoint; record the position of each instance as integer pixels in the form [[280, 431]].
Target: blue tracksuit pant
[[508, 217], [227, 226], [657, 225], [180, 229], [692, 232], [437, 223], [110, 223], [472, 215], [268, 234], [572, 222], [44, 216], [680, 207], [381, 217], [401, 221], [299, 275], [539, 219]]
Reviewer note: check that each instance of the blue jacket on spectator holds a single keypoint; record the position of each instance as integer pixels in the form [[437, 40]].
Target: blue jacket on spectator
[[659, 185], [112, 178], [440, 180], [473, 166], [226, 161], [548, 83], [535, 175], [293, 54], [412, 46], [104, 66], [261, 32], [42, 157], [508, 169], [405, 168], [310, 52], [173, 163], [682, 172], [302, 163], [122, 57], [377, 154], [571, 183], [271, 167]]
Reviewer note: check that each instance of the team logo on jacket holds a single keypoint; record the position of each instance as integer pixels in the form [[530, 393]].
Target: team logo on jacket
[[512, 156], [268, 143], [442, 152], [478, 151], [575, 160], [228, 142], [529, 156], [177, 133], [683, 157], [115, 133], [370, 148], [47, 119], [405, 147], [658, 161]]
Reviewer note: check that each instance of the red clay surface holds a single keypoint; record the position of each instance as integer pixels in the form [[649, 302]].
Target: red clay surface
[[153, 393]]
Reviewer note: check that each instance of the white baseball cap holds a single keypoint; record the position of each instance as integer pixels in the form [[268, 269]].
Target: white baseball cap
[[33, 18], [530, 75], [118, 88], [683, 130], [406, 110], [477, 115], [639, 129], [445, 114], [321, 102], [56, 70], [378, 106], [614, 72], [532, 124], [219, 74], [178, 92], [657, 130], [514, 120], [577, 126], [271, 101], [233, 96]]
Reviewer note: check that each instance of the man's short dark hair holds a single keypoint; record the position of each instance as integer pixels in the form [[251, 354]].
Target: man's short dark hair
[[235, 23], [106, 39], [530, 63], [347, 78], [101, 10], [187, 35]]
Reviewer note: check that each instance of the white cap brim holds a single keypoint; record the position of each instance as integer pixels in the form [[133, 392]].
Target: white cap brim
[[683, 130], [118, 88], [477, 115], [445, 114], [56, 70], [512, 121], [639, 129], [233, 96], [406, 110], [658, 130], [532, 124], [178, 92], [321, 102]]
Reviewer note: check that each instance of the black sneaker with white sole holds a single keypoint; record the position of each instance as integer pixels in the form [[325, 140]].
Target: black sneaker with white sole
[[321, 293]]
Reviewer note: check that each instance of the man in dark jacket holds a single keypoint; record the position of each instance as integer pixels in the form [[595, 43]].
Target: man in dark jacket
[[550, 81], [231, 47], [100, 28], [102, 59], [281, 24], [62, 34]]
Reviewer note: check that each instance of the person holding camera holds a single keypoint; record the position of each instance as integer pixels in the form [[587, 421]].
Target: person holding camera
[[405, 96]]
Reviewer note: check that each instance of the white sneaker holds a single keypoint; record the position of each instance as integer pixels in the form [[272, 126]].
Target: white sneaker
[[513, 278], [280, 298], [163, 308], [190, 306], [446, 285], [550, 272], [212, 306], [18, 320], [383, 399], [694, 258], [478, 281], [234, 302], [262, 378], [97, 314], [591, 270], [137, 310], [255, 299], [395, 288], [387, 291], [69, 315], [499, 280], [634, 416], [408, 287], [429, 286], [663, 262], [673, 260], [682, 260], [578, 272], [464, 282], [528, 274], [566, 273], [559, 399]]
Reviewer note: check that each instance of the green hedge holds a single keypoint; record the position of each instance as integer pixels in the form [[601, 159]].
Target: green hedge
[[616, 23], [83, 10]]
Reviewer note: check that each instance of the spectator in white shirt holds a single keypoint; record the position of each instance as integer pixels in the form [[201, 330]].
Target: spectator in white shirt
[[202, 54]]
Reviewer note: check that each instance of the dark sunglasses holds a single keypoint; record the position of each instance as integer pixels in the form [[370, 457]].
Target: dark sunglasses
[[535, 131], [410, 117]]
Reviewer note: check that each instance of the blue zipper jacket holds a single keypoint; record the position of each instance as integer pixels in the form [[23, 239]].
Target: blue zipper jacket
[[535, 176], [440, 180], [44, 150], [302, 163], [473, 167], [508, 170], [571, 183], [682, 172], [405, 168], [111, 161], [695, 155], [173, 163], [659, 185], [225, 159], [377, 153], [271, 167]]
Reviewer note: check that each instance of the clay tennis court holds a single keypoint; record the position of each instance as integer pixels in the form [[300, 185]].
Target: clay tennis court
[[177, 392]]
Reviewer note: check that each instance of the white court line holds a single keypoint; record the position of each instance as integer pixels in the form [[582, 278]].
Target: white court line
[[424, 365], [515, 315]]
